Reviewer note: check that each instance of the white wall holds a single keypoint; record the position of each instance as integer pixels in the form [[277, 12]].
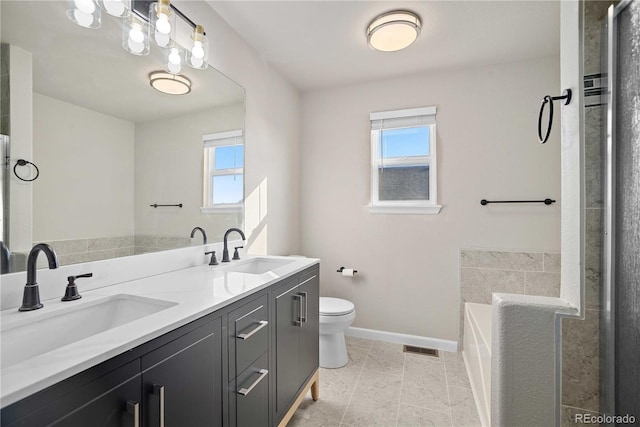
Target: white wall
[[168, 170], [272, 218], [21, 134], [487, 148], [85, 189]]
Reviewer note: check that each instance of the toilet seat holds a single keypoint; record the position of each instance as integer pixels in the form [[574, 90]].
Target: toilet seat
[[335, 306]]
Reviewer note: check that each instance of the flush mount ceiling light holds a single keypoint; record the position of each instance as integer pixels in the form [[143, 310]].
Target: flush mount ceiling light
[[393, 30], [171, 84]]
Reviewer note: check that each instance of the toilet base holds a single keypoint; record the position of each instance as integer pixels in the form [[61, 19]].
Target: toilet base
[[333, 351]]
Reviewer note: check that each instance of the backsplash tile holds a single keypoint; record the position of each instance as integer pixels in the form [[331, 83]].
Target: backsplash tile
[[542, 284], [502, 260]]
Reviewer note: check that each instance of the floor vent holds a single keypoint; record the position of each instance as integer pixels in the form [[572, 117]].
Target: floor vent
[[420, 350]]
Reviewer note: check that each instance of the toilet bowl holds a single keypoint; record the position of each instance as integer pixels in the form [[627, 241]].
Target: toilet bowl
[[336, 315]]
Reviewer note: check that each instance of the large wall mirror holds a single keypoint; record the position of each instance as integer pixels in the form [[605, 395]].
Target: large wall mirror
[[107, 145]]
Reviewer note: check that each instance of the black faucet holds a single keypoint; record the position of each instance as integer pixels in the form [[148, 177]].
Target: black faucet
[[225, 250], [204, 235], [5, 258], [31, 296]]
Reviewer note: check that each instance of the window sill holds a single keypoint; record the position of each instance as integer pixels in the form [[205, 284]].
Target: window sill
[[221, 209], [404, 210]]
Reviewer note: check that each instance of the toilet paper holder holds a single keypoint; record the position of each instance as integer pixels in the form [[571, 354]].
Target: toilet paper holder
[[342, 268]]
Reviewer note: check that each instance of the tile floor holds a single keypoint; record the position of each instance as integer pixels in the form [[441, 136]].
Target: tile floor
[[383, 386]]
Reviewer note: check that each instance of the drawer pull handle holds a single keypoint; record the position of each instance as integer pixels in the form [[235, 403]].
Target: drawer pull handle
[[159, 390], [134, 409], [244, 391], [303, 317], [261, 324], [298, 321]]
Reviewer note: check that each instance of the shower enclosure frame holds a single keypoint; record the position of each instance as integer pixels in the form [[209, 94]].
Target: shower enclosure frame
[[608, 374]]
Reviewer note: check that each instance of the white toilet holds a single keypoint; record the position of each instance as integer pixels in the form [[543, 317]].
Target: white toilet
[[336, 315]]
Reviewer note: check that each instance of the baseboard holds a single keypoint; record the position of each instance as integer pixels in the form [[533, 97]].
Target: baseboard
[[372, 334]]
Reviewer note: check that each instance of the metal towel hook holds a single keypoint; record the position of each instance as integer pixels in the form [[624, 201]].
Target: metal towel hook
[[566, 95], [22, 162]]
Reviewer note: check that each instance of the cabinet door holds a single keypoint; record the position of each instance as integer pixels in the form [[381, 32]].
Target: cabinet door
[[181, 381], [112, 400], [288, 311], [249, 395], [309, 331]]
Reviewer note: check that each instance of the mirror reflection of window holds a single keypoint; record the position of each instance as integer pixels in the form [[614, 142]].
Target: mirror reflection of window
[[223, 171]]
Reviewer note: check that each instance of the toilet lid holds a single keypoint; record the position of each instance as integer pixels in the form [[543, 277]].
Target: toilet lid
[[335, 306]]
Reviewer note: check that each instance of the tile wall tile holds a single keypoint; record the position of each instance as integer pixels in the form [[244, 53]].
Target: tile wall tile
[[542, 284], [581, 362]]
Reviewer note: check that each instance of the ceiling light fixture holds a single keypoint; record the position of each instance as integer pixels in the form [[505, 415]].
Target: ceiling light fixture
[[117, 8], [171, 84], [134, 36], [393, 30], [84, 13], [163, 23], [197, 56]]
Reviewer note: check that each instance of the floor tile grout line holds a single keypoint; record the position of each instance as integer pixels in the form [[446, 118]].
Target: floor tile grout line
[[446, 381], [344, 413], [404, 363]]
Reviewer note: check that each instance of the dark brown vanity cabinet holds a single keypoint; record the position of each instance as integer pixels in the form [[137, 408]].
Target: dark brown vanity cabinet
[[163, 382], [248, 342], [242, 366], [296, 336], [181, 381]]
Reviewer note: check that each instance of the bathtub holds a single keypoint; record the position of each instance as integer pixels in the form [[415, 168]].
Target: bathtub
[[477, 356]]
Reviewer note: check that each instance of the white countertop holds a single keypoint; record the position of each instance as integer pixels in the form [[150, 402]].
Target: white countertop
[[195, 291]]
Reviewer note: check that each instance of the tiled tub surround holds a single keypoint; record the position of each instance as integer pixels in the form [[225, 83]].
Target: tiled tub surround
[[75, 251], [483, 272], [383, 386]]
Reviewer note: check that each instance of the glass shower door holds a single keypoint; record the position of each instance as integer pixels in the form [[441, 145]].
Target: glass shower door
[[622, 240]]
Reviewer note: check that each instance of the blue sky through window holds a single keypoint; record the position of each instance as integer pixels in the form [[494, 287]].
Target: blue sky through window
[[229, 156], [405, 142], [227, 189]]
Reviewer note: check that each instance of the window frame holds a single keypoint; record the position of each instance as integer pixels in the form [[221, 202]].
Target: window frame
[[212, 141], [409, 118]]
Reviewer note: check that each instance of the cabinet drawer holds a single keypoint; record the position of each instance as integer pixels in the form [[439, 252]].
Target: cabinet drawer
[[249, 335], [249, 395]]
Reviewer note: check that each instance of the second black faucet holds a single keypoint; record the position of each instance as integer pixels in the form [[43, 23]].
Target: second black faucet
[[225, 250]]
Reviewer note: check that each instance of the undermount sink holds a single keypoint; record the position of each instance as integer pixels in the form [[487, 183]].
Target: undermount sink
[[47, 331], [259, 265]]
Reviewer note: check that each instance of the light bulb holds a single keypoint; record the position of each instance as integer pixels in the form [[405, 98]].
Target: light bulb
[[174, 68], [135, 33], [162, 40], [83, 19], [174, 56], [196, 62], [135, 47], [197, 51], [114, 7], [86, 6], [162, 24]]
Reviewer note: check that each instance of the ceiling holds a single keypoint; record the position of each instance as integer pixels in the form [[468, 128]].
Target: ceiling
[[89, 68], [318, 44]]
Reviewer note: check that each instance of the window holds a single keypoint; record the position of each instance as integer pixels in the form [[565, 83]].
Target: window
[[223, 172], [403, 162]]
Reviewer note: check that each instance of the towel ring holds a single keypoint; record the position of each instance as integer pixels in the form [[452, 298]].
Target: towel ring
[[566, 95], [22, 162]]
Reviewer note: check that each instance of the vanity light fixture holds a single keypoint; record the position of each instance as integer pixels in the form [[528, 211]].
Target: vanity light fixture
[[393, 31], [174, 60], [134, 36], [171, 84], [84, 13], [117, 8], [162, 22], [199, 52]]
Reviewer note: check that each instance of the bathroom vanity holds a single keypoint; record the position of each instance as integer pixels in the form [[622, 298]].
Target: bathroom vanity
[[232, 345]]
